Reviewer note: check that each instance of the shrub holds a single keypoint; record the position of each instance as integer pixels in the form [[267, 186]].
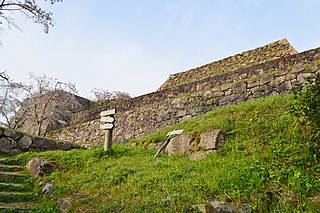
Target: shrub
[[307, 108]]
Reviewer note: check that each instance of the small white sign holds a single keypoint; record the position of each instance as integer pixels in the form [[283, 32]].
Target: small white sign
[[175, 132], [107, 119], [106, 126], [108, 112]]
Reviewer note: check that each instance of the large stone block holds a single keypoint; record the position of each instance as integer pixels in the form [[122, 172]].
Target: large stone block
[[13, 134], [8, 145], [43, 143], [179, 144], [40, 167], [211, 140], [239, 88], [25, 142]]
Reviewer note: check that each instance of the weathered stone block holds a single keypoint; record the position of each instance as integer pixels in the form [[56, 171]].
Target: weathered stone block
[[223, 207], [63, 145], [265, 79], [239, 88], [207, 94], [224, 100], [181, 113], [211, 140], [281, 72], [25, 142], [8, 145], [285, 87], [179, 144], [225, 87], [43, 143], [40, 167], [276, 82], [13, 134], [253, 84], [303, 76]]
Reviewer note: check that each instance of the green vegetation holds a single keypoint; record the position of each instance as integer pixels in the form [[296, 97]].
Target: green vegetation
[[264, 162]]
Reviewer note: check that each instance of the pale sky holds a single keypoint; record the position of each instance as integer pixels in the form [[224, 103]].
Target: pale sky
[[134, 45]]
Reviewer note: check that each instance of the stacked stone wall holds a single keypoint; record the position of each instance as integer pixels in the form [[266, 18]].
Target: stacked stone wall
[[14, 142], [145, 114], [272, 51], [185, 82]]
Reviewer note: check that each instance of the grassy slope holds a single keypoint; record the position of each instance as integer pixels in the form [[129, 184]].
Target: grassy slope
[[263, 162]]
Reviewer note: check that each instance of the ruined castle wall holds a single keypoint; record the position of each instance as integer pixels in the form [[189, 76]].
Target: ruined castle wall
[[188, 81], [259, 55], [196, 98]]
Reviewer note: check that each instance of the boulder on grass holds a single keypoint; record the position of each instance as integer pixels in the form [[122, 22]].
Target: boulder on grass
[[211, 140], [39, 167], [179, 144]]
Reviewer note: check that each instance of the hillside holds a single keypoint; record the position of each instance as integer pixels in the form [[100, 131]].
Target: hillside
[[264, 162]]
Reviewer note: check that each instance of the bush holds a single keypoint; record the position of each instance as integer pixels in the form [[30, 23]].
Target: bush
[[307, 108]]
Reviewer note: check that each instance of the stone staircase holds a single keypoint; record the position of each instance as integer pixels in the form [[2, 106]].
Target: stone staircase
[[16, 188]]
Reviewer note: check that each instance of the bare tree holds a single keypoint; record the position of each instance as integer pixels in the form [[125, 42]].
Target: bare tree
[[99, 94], [41, 95], [30, 8], [30, 104], [10, 100]]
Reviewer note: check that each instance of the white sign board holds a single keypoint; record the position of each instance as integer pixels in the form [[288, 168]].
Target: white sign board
[[106, 126], [108, 112], [107, 119], [174, 132]]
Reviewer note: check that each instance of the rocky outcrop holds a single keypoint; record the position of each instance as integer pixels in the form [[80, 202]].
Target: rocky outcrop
[[15, 142]]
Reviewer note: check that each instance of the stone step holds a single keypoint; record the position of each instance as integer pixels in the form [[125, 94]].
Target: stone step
[[16, 197], [12, 175], [15, 187], [17, 207], [10, 168], [15, 177]]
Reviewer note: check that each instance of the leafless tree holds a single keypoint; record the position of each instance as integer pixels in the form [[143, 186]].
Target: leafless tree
[[30, 8], [10, 100], [33, 103], [41, 95], [99, 94]]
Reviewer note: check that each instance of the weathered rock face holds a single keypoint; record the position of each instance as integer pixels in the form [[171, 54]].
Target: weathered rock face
[[186, 144], [144, 114], [15, 142], [59, 109], [39, 167]]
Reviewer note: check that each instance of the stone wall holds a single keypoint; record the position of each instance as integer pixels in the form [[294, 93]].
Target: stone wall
[[259, 55], [15, 142], [185, 82], [156, 110]]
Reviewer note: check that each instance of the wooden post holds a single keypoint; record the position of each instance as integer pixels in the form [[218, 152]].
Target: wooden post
[[107, 124], [108, 140]]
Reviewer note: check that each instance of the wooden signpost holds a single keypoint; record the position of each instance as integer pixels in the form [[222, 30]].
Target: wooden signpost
[[107, 124]]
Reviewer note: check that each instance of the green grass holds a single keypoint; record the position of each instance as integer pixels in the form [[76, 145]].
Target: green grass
[[263, 163]]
